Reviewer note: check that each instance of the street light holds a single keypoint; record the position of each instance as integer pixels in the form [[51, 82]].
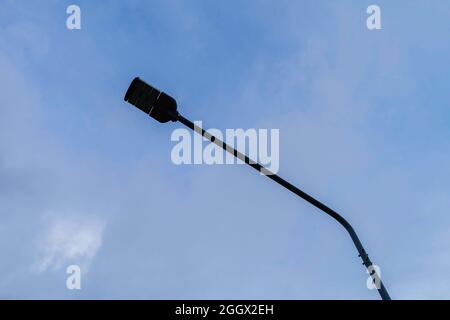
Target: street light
[[163, 108]]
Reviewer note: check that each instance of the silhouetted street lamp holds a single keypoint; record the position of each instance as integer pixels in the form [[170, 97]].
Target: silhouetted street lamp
[[163, 108]]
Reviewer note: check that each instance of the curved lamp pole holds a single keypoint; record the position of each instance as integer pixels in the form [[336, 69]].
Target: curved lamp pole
[[163, 108]]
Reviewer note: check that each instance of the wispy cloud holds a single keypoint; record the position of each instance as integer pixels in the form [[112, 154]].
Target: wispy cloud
[[69, 240]]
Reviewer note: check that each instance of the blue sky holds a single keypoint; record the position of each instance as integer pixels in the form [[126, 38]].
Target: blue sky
[[86, 179]]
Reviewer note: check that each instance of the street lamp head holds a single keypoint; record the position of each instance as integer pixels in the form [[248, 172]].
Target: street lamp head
[[152, 101]]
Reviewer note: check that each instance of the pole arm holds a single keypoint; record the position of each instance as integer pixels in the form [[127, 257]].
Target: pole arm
[[361, 251]]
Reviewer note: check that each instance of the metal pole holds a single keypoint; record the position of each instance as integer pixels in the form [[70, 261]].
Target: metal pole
[[362, 253]]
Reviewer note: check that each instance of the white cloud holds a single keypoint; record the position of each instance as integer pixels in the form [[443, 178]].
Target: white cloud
[[69, 240]]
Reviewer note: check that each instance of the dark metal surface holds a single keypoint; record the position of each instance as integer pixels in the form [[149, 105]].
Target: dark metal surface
[[163, 108], [362, 253]]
